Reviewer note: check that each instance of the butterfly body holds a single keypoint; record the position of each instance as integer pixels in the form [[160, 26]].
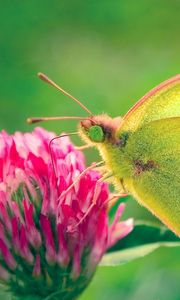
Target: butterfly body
[[142, 150]]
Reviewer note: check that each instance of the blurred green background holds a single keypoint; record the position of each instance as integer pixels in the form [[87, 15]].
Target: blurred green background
[[107, 54]]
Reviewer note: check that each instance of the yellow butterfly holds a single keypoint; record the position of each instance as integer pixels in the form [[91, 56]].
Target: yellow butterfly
[[141, 151]]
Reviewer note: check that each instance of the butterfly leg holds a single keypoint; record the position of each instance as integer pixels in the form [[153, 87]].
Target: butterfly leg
[[84, 147], [91, 167], [113, 199], [102, 170], [94, 200]]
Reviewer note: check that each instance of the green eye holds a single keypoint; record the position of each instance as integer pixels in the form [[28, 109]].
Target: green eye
[[96, 134]]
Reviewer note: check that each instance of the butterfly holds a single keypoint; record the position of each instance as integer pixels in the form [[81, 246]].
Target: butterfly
[[141, 151]]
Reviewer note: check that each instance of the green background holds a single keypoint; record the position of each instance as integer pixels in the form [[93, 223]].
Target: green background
[[108, 54]]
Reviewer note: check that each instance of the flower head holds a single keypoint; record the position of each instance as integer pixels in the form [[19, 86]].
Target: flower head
[[46, 246]]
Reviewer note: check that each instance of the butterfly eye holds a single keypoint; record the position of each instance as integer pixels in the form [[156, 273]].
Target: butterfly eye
[[96, 134]]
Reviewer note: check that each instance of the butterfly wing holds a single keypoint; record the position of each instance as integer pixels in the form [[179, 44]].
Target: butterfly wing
[[154, 152], [161, 102]]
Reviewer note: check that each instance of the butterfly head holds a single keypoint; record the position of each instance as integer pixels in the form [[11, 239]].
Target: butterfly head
[[98, 129]]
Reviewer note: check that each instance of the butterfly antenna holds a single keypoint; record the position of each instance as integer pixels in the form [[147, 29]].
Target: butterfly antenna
[[43, 77], [41, 119]]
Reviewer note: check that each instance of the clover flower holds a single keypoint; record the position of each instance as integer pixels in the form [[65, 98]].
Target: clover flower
[[46, 251]]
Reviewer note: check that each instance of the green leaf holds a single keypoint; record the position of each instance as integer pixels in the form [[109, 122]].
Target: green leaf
[[125, 256], [145, 233], [145, 238]]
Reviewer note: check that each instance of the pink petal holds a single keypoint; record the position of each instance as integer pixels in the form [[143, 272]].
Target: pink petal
[[50, 247], [24, 247], [63, 253], [118, 230], [7, 255], [37, 266]]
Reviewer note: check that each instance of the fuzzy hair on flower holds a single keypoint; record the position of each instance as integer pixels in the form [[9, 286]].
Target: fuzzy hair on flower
[[46, 252]]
